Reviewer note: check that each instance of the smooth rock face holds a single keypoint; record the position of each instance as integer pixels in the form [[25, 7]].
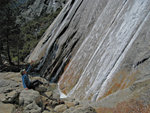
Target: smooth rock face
[[134, 99], [94, 73], [93, 67], [62, 39], [102, 47]]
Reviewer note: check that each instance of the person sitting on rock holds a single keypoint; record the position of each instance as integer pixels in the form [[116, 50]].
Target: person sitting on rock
[[27, 84]]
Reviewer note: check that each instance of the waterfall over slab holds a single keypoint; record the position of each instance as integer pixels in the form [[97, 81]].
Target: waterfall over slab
[[95, 49]]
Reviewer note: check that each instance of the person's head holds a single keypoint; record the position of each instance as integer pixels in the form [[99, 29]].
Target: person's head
[[23, 71]]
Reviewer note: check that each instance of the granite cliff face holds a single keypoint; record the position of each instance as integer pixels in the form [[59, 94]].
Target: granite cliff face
[[101, 50], [36, 8]]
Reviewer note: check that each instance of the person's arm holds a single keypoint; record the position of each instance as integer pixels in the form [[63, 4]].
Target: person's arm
[[29, 68], [23, 82]]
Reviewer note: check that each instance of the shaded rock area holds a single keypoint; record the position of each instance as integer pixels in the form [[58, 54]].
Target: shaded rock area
[[44, 99]]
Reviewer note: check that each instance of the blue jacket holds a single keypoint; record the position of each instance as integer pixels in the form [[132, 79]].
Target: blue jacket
[[25, 78]]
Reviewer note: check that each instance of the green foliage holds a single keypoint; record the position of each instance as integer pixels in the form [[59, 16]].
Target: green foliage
[[16, 42], [32, 31], [9, 30]]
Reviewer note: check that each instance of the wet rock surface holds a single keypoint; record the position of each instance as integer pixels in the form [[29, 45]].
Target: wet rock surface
[[97, 47], [134, 99], [101, 50]]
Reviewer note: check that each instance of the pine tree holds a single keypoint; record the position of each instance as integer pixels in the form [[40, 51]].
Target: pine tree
[[8, 29]]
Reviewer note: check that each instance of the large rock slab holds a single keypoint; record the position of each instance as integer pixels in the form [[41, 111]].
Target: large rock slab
[[105, 62], [133, 99], [101, 48], [65, 35]]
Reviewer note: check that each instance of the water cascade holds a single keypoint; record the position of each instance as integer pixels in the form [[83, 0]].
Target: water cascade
[[96, 48]]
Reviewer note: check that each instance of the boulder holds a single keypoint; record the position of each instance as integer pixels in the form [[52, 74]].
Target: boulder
[[10, 97], [49, 108], [60, 108], [6, 108], [84, 110], [71, 104], [56, 94], [47, 112], [2, 97], [49, 94], [15, 77], [69, 110], [52, 86], [41, 89], [7, 86], [32, 108], [28, 96], [54, 103], [43, 80]]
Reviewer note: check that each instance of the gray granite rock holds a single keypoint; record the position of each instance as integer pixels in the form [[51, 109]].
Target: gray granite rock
[[60, 108], [70, 110], [7, 86], [84, 110], [11, 97], [28, 96], [6, 108], [32, 108], [49, 94], [40, 7]]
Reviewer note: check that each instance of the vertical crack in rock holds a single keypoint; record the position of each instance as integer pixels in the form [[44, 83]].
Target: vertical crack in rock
[[51, 58], [56, 68], [71, 4], [63, 18], [54, 65], [61, 63], [141, 61]]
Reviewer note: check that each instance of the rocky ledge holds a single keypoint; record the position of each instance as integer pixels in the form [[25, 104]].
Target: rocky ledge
[[44, 99]]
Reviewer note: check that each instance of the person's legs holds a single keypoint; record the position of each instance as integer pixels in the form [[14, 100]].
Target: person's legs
[[36, 83], [31, 86]]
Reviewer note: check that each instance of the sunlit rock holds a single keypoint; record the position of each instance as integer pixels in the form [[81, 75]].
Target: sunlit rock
[[98, 49]]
